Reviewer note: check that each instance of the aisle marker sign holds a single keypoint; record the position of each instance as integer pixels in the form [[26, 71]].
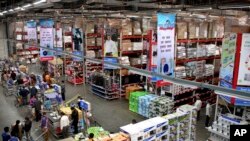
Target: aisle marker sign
[[46, 39], [165, 43]]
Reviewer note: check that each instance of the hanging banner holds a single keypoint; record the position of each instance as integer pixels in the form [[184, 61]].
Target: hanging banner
[[165, 43], [58, 38], [46, 39], [228, 56], [111, 42], [244, 67], [78, 39], [31, 34]]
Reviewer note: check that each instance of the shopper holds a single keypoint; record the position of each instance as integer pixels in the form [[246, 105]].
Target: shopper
[[91, 137], [38, 108], [6, 134], [64, 125], [23, 92], [13, 75], [27, 128], [13, 137], [17, 130], [44, 126], [208, 113], [198, 105], [33, 91], [63, 90], [75, 119]]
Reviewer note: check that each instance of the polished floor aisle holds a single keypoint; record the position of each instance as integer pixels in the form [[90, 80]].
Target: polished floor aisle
[[109, 114]]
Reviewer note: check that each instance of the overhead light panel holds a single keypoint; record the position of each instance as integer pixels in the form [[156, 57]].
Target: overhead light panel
[[1, 14], [5, 12], [200, 8], [11, 10], [27, 5], [18, 8], [39, 2], [22, 9], [234, 7]]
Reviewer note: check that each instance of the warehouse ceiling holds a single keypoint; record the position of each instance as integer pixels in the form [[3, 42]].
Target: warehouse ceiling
[[65, 6]]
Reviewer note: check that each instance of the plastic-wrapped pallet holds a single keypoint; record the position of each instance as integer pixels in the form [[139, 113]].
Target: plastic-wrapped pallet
[[203, 33], [144, 102], [90, 28], [134, 100], [160, 106], [211, 49], [127, 27], [145, 25], [201, 51], [180, 72], [218, 29], [209, 69], [134, 61], [144, 59], [200, 68], [181, 52], [193, 30], [137, 45], [190, 69], [191, 52], [137, 28], [90, 54], [91, 42], [181, 30], [126, 45], [125, 60]]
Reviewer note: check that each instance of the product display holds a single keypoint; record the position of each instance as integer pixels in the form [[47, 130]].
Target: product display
[[160, 106]]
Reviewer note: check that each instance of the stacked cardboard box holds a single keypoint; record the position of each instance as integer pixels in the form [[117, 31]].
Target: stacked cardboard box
[[200, 68], [181, 52], [144, 102], [137, 28], [209, 69], [99, 41], [144, 59], [91, 42], [134, 100], [180, 72], [181, 30], [90, 28], [160, 106], [134, 61], [137, 45], [201, 51], [131, 89], [127, 27], [193, 30], [191, 52], [126, 45], [203, 32], [211, 49], [124, 60]]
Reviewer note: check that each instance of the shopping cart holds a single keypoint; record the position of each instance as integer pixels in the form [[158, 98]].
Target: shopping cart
[[9, 90]]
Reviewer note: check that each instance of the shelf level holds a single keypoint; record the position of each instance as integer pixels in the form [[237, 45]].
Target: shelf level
[[199, 40], [134, 36], [94, 47], [181, 61]]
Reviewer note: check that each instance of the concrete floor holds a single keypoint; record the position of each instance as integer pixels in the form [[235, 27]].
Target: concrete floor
[[109, 114]]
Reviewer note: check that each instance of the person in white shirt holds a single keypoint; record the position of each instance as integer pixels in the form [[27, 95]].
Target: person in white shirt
[[198, 105], [208, 113], [110, 48], [64, 125]]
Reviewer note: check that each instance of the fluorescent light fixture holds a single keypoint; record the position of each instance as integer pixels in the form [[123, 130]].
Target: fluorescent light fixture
[[200, 8], [140, 73], [132, 16], [234, 7], [11, 10], [38, 2], [27, 5], [22, 9], [5, 12], [1, 14], [18, 8]]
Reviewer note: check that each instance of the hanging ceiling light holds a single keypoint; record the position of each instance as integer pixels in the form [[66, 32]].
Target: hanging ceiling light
[[18, 8], [11, 10], [200, 8], [1, 14], [27, 5], [39, 2], [5, 12]]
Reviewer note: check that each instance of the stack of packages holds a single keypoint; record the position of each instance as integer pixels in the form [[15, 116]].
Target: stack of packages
[[180, 72], [134, 100], [190, 69], [90, 28], [181, 30], [200, 68], [160, 106], [126, 45], [201, 51], [99, 41], [124, 60], [137, 45], [145, 25], [211, 49], [193, 30], [218, 29], [144, 102], [176, 89], [137, 28], [203, 30], [181, 52], [144, 59], [134, 61], [131, 89], [191, 52], [209, 70], [91, 42], [90, 54], [127, 27]]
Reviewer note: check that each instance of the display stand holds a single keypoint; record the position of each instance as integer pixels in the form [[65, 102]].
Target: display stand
[[55, 66], [74, 73]]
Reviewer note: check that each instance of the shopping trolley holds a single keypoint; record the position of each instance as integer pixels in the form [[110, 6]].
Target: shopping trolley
[[9, 90]]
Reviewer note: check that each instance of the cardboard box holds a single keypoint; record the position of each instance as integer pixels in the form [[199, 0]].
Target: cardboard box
[[130, 89]]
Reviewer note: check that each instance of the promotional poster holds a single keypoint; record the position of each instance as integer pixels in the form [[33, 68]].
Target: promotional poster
[[58, 38], [46, 39], [228, 56], [78, 39], [31, 33], [165, 43], [111, 42]]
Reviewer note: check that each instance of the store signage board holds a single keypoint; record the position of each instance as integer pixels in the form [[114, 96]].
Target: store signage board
[[244, 66], [31, 33], [165, 43], [228, 56], [46, 39]]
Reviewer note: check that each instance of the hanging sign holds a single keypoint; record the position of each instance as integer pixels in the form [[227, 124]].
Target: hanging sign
[[31, 33], [228, 57], [78, 39], [46, 39], [244, 67], [58, 38], [165, 43]]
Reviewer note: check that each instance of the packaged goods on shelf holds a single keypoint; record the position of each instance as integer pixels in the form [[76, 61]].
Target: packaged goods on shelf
[[191, 52], [180, 72], [209, 69], [145, 25], [90, 28], [193, 30], [125, 60], [218, 29], [127, 27], [144, 102], [200, 68], [114, 23], [91, 42], [160, 106], [220, 129], [134, 61], [126, 45], [19, 46], [210, 30], [177, 89], [137, 28], [181, 52], [137, 45], [217, 65], [181, 30], [144, 59], [201, 51], [134, 100], [99, 41], [203, 31], [190, 69], [131, 89], [67, 39], [211, 49], [90, 53]]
